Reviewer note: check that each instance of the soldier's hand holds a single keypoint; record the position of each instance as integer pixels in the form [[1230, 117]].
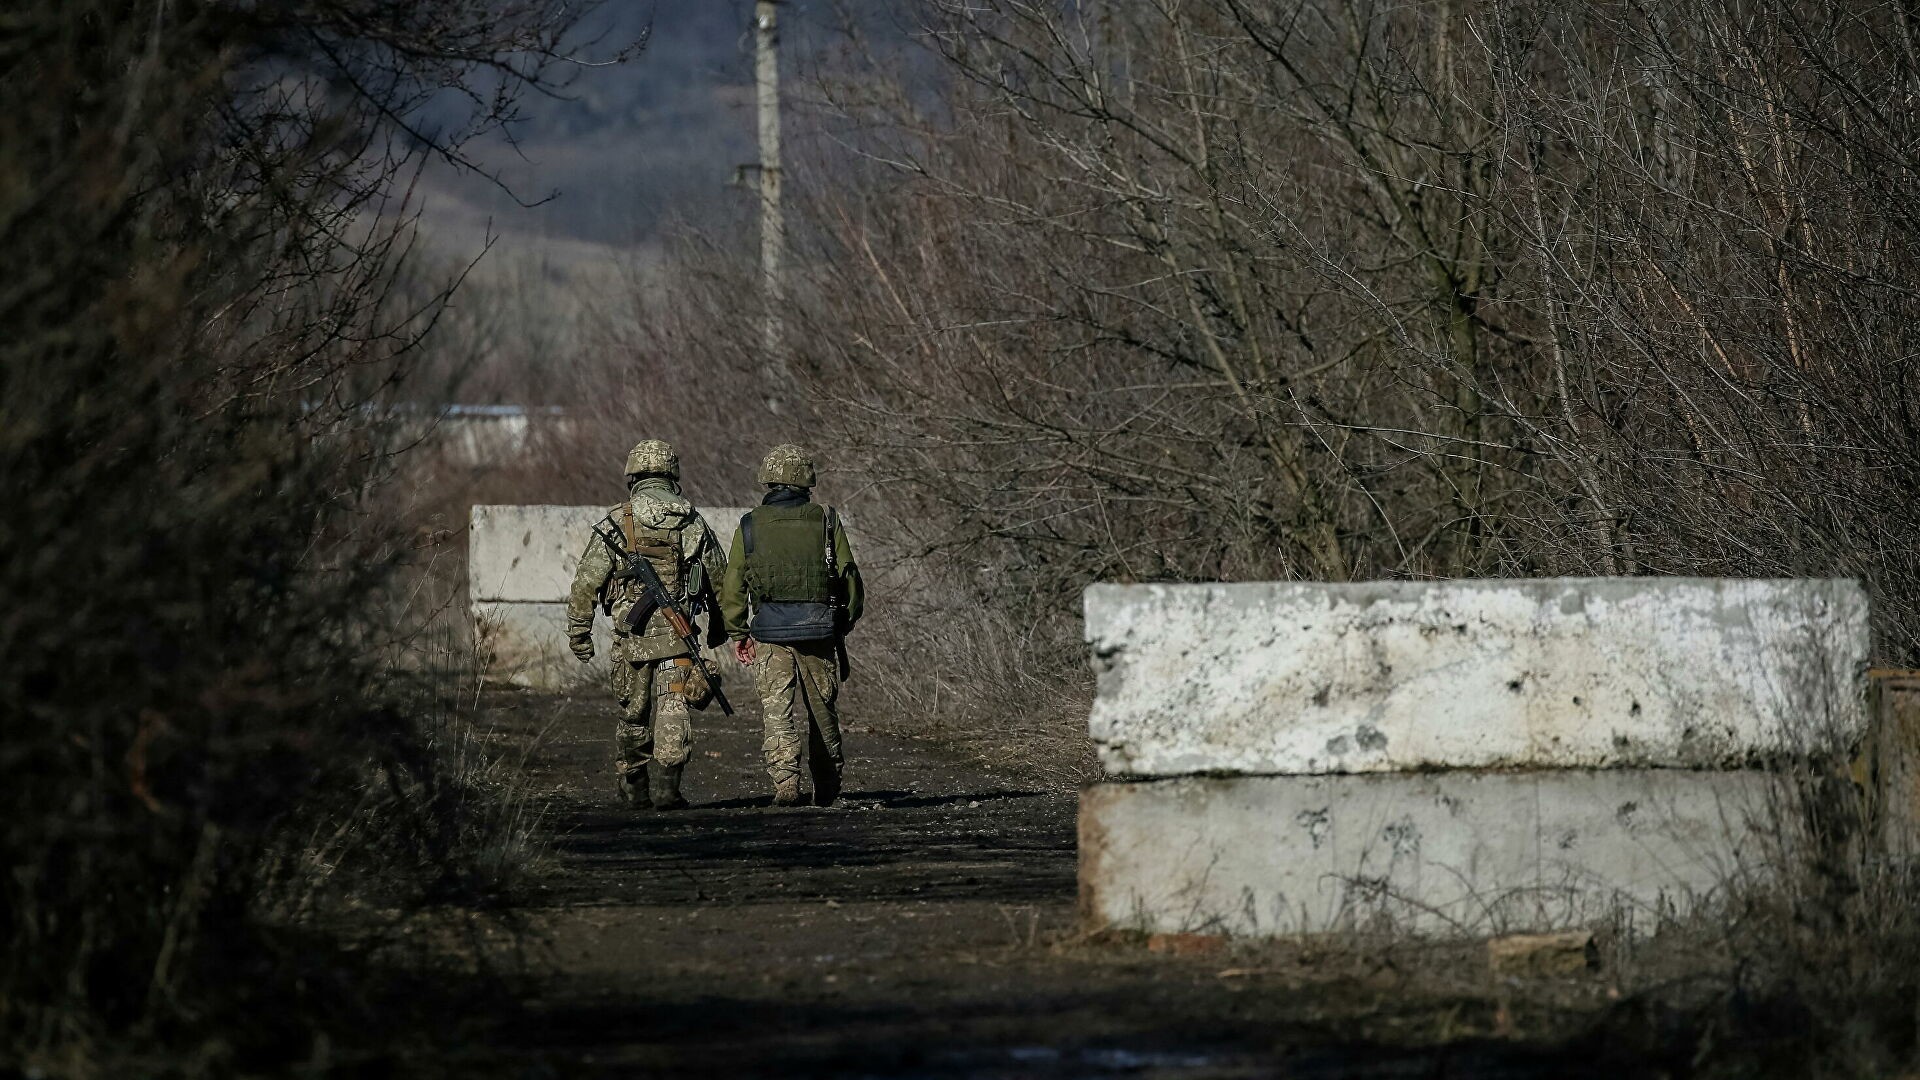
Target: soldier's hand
[[743, 650], [582, 647]]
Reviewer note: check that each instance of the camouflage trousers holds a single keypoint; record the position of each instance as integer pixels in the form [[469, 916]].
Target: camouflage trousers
[[655, 723], [799, 684]]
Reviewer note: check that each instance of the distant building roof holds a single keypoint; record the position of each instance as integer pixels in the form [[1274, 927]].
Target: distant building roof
[[502, 410]]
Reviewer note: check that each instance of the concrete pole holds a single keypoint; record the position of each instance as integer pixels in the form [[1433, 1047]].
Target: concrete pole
[[772, 225]]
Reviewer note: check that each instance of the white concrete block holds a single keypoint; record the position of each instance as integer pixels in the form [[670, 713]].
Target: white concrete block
[[525, 553], [1301, 678], [520, 564], [528, 553], [1437, 854]]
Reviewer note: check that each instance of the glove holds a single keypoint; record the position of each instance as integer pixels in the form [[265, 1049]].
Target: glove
[[582, 647]]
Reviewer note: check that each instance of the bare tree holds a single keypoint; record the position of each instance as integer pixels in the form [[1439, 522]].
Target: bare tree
[[207, 209], [1205, 289]]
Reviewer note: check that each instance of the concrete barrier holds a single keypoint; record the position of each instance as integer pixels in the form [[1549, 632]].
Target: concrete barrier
[[1438, 854], [1456, 758], [520, 565], [1304, 678]]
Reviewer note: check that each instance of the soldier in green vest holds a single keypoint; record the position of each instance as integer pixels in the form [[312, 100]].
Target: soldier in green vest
[[653, 675], [790, 595]]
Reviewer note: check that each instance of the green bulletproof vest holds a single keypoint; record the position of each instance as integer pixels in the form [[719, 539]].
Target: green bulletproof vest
[[786, 553]]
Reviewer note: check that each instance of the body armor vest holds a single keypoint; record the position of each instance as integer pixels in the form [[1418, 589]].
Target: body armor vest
[[785, 550]]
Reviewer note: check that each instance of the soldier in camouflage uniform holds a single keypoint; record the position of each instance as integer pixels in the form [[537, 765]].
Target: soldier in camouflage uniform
[[791, 593], [653, 676]]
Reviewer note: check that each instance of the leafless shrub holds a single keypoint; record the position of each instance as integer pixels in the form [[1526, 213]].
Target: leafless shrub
[[1341, 289], [207, 208], [1338, 289]]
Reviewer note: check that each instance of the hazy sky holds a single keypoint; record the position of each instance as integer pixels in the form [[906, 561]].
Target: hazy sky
[[634, 147]]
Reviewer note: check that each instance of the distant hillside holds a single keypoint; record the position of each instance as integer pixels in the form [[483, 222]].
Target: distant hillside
[[631, 149]]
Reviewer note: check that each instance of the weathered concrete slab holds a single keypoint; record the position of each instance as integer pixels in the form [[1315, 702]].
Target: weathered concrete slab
[[527, 554], [1437, 854], [520, 564], [1302, 678]]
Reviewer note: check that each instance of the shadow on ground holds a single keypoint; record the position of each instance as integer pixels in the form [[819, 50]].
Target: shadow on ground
[[926, 928]]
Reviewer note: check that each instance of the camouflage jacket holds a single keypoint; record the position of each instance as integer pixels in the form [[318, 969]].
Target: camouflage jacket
[[659, 523]]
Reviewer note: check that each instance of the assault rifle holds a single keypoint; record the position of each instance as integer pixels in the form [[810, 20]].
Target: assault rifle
[[655, 597]]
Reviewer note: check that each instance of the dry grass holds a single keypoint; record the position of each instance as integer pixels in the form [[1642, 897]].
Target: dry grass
[[205, 735]]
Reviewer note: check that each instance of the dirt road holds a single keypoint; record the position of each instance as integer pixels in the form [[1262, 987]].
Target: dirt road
[[925, 928]]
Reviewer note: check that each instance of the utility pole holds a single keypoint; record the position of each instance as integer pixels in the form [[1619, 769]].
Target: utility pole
[[766, 39]]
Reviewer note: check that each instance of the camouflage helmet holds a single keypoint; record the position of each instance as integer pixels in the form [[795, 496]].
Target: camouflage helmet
[[652, 457], [787, 464]]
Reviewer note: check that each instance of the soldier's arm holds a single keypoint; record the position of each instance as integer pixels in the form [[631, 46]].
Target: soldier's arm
[[699, 548], [733, 591], [705, 550], [849, 573], [596, 566]]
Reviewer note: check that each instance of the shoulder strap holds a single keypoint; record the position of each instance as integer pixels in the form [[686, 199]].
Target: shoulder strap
[[626, 520], [831, 568], [746, 532]]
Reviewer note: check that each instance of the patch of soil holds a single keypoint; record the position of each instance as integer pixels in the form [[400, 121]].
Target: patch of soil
[[926, 928]]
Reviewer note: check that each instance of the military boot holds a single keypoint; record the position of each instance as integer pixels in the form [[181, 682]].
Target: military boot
[[787, 792], [826, 782], [666, 787], [633, 788]]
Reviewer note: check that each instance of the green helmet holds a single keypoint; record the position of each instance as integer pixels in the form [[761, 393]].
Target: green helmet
[[787, 464], [653, 458]]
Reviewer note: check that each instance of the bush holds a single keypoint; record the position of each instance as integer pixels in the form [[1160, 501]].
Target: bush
[[207, 304]]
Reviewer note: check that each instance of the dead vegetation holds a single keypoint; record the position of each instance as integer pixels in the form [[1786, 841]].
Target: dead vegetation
[[1159, 291], [1333, 290], [1344, 290], [211, 299]]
